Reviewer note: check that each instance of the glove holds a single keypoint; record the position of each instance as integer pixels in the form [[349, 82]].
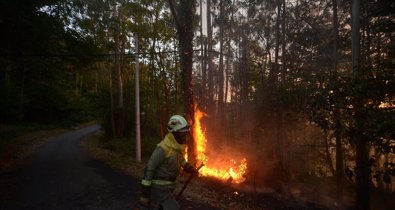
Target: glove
[[190, 169], [145, 195]]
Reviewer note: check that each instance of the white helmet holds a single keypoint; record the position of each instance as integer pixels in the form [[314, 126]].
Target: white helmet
[[177, 124]]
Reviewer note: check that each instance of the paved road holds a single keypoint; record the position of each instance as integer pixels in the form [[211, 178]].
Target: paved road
[[61, 176]]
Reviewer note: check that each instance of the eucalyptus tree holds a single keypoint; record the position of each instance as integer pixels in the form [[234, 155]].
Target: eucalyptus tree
[[159, 36], [224, 32], [339, 147], [104, 21], [113, 24], [220, 103], [210, 55], [183, 14], [371, 124]]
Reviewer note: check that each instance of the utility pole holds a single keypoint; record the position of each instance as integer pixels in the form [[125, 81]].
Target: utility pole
[[137, 96]]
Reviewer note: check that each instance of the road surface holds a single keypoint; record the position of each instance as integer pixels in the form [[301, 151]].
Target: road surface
[[61, 176]]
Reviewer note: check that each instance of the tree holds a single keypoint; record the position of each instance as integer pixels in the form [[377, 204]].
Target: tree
[[362, 151], [221, 64], [210, 64], [339, 149], [40, 59], [184, 23]]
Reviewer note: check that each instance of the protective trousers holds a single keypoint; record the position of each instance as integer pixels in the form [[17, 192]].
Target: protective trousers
[[163, 196]]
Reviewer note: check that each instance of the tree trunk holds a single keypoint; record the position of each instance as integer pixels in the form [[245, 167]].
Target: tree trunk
[[339, 149], [202, 54], [221, 66], [227, 68], [112, 105], [184, 21], [362, 166], [210, 69], [283, 68], [243, 80], [356, 51], [276, 50], [339, 161], [369, 43], [185, 32], [362, 174], [118, 111], [269, 55], [76, 92], [119, 76], [204, 76], [328, 154]]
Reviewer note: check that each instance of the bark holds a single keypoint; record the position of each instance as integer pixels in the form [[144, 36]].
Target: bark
[[210, 69], [204, 76], [362, 166], [202, 54], [369, 43], [165, 110], [76, 92], [119, 73], [269, 55], [118, 111], [96, 80], [339, 149], [184, 21], [355, 45], [275, 72], [221, 66], [283, 67], [328, 154], [227, 68], [362, 175], [121, 106], [339, 163], [243, 80], [112, 105]]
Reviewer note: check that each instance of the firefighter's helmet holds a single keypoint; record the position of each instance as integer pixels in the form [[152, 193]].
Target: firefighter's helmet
[[177, 123]]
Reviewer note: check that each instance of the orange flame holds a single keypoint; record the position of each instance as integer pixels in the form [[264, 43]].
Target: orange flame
[[221, 166]]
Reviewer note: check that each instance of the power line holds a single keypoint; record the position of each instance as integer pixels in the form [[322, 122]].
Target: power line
[[8, 55]]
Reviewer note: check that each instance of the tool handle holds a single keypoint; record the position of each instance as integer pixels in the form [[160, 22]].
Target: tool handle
[[187, 182]]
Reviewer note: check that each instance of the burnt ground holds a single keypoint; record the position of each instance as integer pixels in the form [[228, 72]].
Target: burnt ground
[[228, 196], [59, 175]]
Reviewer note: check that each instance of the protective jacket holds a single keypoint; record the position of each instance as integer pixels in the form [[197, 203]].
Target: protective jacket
[[164, 164], [161, 173]]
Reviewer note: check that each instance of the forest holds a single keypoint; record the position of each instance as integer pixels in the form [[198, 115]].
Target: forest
[[300, 91]]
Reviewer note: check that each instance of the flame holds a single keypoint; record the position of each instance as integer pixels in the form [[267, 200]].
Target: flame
[[221, 166]]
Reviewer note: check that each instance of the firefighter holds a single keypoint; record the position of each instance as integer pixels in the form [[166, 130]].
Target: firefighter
[[164, 165]]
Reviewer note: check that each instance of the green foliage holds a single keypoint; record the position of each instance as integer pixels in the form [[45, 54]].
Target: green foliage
[[353, 106], [38, 64], [351, 94]]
